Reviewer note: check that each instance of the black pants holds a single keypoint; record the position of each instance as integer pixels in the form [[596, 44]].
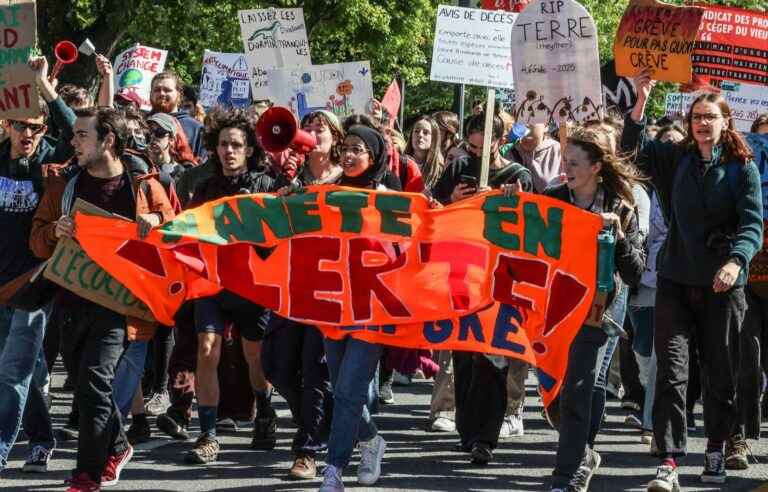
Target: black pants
[[715, 320], [750, 375], [158, 358], [571, 412], [101, 428], [481, 398], [630, 373], [293, 359]]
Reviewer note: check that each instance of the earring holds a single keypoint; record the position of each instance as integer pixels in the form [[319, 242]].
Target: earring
[[599, 179]]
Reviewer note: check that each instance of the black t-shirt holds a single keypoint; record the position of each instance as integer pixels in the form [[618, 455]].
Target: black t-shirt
[[111, 194]]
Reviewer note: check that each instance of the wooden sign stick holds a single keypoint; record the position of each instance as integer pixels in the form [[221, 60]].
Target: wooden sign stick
[[486, 161]]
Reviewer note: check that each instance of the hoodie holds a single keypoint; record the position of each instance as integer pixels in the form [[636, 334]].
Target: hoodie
[[21, 187], [193, 129], [543, 162]]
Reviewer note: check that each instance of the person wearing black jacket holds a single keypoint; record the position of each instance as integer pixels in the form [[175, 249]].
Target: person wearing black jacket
[[230, 137], [600, 182], [478, 377], [293, 355], [709, 190], [23, 157]]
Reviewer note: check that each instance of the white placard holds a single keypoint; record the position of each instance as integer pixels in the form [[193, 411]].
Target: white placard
[[556, 63], [472, 47], [225, 80], [342, 88], [135, 68], [746, 101], [272, 38]]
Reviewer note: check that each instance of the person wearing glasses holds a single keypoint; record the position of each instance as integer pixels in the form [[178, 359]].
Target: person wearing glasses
[[352, 363], [709, 189], [23, 159]]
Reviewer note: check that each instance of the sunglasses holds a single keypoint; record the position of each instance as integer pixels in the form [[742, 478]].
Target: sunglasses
[[158, 133], [21, 127]]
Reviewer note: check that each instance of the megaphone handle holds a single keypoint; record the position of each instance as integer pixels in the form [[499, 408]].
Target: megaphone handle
[[56, 71]]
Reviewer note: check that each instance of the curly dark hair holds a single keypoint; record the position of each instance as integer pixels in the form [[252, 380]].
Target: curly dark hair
[[220, 119]]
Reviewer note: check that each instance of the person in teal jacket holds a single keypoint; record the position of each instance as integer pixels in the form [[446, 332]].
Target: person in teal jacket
[[709, 190]]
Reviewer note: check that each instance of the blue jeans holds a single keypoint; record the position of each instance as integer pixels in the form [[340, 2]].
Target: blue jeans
[[642, 346], [21, 342], [128, 375], [351, 364]]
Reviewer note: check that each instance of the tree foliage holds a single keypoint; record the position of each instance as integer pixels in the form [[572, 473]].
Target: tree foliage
[[395, 35]]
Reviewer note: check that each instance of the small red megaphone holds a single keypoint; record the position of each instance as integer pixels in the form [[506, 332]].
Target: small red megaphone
[[66, 54], [277, 130]]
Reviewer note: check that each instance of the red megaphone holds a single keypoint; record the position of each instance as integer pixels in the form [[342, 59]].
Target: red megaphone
[[66, 54], [277, 130]]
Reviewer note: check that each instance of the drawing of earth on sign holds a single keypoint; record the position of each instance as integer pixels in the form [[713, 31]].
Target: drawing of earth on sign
[[131, 77]]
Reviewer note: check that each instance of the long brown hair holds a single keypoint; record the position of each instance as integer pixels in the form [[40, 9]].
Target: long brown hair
[[434, 164], [618, 175], [734, 145]]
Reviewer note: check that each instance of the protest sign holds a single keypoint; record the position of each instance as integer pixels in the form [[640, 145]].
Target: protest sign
[[272, 38], [71, 268], [746, 101], [556, 63], [513, 276], [471, 47], [225, 81], [342, 88], [135, 68], [657, 36], [732, 44], [508, 5], [18, 89]]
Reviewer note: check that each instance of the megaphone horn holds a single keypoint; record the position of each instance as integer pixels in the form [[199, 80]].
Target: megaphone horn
[[277, 130], [66, 54]]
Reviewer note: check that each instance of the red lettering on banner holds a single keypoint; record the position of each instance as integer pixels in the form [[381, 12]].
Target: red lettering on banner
[[306, 279], [190, 255], [234, 268], [365, 279], [565, 294], [459, 256], [511, 271], [10, 37]]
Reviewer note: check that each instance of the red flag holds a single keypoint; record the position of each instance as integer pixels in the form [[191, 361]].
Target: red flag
[[391, 101]]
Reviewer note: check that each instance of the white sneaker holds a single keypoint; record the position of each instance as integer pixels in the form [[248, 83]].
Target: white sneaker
[[443, 424], [647, 437], [371, 453], [332, 481], [512, 427]]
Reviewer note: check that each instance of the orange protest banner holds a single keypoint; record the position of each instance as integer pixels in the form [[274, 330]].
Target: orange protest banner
[[513, 276], [657, 36]]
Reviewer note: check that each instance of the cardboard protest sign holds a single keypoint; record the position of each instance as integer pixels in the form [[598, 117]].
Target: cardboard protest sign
[[508, 5], [135, 68], [513, 276], [657, 36], [556, 63], [746, 101], [225, 80], [732, 44], [71, 268], [272, 38], [18, 89], [472, 47], [342, 88]]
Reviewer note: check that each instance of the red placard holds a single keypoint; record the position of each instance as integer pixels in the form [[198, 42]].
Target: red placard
[[732, 44], [508, 5]]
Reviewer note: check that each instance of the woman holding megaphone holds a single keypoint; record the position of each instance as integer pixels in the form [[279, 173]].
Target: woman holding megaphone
[[709, 190]]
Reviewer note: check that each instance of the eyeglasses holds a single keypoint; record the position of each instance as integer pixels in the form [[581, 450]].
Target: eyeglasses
[[706, 117], [158, 133], [21, 127], [355, 150]]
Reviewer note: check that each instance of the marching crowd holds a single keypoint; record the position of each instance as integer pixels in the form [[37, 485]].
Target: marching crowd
[[682, 200]]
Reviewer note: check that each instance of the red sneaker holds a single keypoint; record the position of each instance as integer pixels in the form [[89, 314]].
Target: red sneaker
[[82, 483], [114, 466]]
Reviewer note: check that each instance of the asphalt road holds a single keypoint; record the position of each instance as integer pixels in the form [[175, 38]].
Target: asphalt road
[[416, 460]]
